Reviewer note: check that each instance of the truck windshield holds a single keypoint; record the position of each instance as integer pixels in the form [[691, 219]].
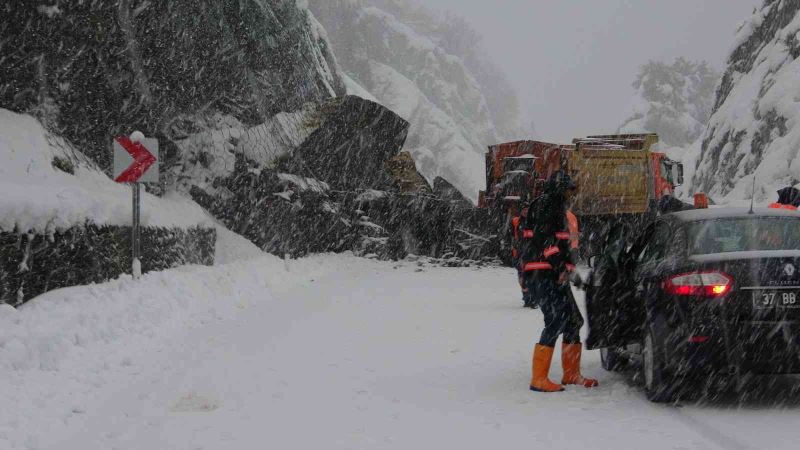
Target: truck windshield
[[744, 234]]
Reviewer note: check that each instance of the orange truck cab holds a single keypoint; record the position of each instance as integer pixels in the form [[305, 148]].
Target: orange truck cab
[[667, 174]]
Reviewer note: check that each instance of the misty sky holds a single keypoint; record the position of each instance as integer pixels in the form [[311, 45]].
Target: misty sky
[[573, 61]]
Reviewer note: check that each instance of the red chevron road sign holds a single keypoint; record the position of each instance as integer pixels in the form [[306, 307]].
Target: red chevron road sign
[[135, 161]]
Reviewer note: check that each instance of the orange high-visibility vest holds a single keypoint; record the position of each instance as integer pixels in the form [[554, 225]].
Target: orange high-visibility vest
[[574, 232], [782, 206]]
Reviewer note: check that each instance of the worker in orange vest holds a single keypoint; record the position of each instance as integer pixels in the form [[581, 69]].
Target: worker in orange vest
[[546, 263], [788, 198]]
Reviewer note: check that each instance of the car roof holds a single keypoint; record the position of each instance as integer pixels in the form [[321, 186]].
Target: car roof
[[694, 215]]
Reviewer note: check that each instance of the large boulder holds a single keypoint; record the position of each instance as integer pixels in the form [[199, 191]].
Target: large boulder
[[351, 148]]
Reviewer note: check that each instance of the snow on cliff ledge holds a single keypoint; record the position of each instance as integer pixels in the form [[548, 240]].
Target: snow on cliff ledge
[[38, 197], [755, 126]]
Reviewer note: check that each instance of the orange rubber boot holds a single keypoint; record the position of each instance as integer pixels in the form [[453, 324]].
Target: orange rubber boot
[[542, 356], [571, 361]]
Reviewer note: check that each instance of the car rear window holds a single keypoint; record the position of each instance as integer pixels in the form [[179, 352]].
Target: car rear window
[[743, 234]]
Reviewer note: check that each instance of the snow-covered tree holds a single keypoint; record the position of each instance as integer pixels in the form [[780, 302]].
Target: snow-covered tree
[[673, 100]]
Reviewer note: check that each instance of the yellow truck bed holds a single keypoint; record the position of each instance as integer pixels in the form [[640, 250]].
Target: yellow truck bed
[[610, 181]]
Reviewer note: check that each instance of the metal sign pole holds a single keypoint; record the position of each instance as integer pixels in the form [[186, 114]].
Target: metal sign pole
[[136, 269], [135, 162]]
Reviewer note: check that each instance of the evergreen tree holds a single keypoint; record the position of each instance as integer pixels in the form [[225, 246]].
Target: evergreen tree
[[673, 100]]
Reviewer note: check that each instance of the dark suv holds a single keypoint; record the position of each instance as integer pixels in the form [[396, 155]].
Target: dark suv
[[701, 294]]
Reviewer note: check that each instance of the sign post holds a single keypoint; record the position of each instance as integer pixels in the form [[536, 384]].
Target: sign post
[[136, 267], [135, 162]]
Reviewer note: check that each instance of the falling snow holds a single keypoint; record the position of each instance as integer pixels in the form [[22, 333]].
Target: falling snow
[[316, 272]]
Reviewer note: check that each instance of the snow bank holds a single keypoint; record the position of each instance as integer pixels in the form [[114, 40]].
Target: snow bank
[[38, 197], [231, 247], [63, 324], [76, 340]]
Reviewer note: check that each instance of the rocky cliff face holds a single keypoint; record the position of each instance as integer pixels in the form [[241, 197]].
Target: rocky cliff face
[[411, 67], [93, 70], [754, 130]]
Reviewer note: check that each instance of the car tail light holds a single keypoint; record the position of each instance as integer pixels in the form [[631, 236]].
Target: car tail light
[[710, 284]]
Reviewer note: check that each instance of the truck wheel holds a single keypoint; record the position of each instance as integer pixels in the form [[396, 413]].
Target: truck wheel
[[658, 384], [612, 360]]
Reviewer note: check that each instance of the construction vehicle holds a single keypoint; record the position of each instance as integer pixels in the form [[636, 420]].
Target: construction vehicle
[[619, 177]]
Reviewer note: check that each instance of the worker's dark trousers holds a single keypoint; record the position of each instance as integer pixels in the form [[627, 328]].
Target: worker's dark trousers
[[561, 313], [526, 295]]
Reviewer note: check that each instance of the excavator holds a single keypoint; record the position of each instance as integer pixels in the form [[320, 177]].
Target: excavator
[[619, 178]]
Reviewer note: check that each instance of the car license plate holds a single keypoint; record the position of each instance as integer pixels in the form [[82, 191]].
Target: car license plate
[[776, 299]]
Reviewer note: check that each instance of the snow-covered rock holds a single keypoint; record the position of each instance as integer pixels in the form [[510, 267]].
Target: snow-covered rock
[[210, 154], [755, 127]]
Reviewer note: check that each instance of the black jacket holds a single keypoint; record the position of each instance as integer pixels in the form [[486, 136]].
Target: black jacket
[[789, 196], [547, 236]]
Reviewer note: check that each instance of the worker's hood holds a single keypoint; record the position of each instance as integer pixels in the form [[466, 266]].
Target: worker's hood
[[789, 196], [560, 182]]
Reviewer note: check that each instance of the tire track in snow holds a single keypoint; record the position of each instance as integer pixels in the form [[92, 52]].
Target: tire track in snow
[[707, 431]]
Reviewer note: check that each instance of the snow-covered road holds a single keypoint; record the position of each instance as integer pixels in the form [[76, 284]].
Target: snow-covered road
[[340, 352]]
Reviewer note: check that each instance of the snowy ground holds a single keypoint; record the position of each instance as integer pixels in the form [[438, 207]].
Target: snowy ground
[[328, 352]]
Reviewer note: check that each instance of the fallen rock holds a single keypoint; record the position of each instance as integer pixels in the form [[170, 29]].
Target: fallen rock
[[352, 146]]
